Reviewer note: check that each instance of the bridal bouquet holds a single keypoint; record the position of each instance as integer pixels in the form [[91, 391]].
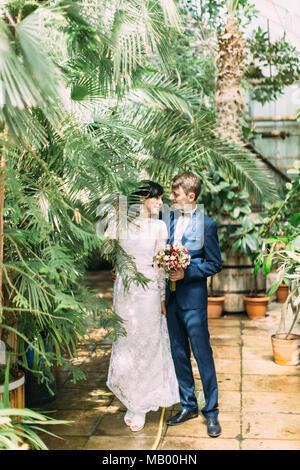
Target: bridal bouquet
[[172, 257]]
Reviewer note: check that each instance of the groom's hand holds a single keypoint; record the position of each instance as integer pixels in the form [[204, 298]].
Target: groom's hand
[[176, 275], [163, 308]]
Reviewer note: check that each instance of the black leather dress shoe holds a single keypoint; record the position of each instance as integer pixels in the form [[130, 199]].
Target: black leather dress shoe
[[183, 415], [213, 427]]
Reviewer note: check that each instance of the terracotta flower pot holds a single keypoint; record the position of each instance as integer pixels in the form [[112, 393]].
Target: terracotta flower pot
[[16, 390], [215, 306], [282, 293], [286, 351], [256, 307]]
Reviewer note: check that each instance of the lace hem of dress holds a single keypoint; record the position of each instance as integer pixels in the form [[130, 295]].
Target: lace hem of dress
[[129, 406]]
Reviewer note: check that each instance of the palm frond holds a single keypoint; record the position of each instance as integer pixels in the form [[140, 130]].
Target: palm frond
[[29, 79], [153, 89], [139, 29], [124, 264], [176, 144]]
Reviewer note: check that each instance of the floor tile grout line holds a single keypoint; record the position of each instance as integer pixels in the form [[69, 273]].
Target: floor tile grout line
[[100, 419]]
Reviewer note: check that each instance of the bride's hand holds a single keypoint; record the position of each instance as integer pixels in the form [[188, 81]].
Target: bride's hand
[[163, 308]]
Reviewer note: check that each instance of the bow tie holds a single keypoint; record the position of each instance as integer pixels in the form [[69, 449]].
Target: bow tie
[[187, 213]]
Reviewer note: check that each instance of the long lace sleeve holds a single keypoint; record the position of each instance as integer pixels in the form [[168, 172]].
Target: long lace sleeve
[[160, 244]]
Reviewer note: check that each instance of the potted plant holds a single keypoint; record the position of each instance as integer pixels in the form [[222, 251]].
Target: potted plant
[[283, 249], [278, 226], [248, 242], [20, 392], [282, 293], [18, 430], [215, 302], [40, 382], [14, 378], [285, 344]]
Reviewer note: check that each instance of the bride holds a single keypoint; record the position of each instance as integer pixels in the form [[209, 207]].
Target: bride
[[141, 371]]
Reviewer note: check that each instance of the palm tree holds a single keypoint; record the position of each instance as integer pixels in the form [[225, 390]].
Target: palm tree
[[56, 165], [229, 101], [28, 80]]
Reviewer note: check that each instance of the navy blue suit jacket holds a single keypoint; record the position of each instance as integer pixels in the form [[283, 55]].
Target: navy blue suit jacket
[[201, 240]]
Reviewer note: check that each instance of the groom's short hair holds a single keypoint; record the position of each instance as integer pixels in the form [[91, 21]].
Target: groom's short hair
[[189, 182]]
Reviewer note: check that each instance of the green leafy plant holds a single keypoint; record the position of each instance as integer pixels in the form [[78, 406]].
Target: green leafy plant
[[278, 225], [224, 201], [211, 12], [288, 261], [282, 61], [281, 250], [20, 428], [248, 243], [2, 374]]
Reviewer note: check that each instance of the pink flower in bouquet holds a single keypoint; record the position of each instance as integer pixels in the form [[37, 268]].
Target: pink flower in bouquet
[[172, 257]]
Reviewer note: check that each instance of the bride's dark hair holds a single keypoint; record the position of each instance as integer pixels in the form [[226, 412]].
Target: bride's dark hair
[[149, 189]]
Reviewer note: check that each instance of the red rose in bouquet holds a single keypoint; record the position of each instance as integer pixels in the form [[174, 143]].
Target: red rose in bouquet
[[172, 257]]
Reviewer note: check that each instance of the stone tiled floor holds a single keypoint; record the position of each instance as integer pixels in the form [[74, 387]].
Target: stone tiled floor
[[259, 400]]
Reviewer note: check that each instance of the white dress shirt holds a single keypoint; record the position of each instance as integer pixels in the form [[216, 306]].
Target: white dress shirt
[[181, 225]]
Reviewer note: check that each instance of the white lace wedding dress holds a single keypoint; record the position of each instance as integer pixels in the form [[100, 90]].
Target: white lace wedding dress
[[141, 371]]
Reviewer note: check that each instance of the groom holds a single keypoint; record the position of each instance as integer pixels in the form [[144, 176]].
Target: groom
[[187, 306]]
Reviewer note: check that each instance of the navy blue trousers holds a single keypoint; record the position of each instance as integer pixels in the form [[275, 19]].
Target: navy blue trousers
[[189, 329]]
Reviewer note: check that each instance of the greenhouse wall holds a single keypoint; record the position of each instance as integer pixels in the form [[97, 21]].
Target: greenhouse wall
[[277, 131]]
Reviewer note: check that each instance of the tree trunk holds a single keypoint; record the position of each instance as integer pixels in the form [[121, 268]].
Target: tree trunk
[[229, 101]]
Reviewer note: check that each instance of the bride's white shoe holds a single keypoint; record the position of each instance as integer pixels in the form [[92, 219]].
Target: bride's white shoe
[[128, 417], [138, 422]]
